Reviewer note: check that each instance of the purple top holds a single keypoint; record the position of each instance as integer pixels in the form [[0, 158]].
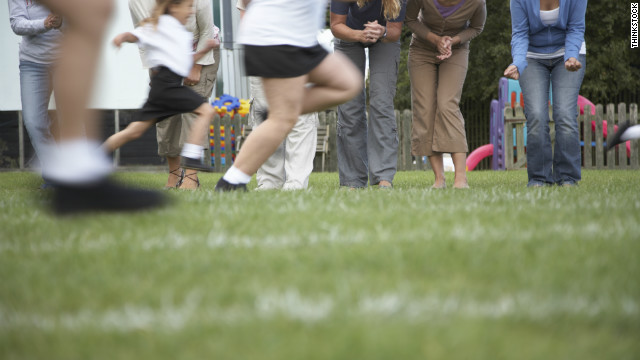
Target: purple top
[[446, 11]]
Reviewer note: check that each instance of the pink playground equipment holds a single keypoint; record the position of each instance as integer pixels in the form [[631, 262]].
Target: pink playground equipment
[[509, 92]]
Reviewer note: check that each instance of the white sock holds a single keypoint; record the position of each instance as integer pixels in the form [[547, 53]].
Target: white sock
[[76, 162], [235, 176], [192, 151], [631, 133]]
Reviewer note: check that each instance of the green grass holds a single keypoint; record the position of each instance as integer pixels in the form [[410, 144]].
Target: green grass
[[496, 272]]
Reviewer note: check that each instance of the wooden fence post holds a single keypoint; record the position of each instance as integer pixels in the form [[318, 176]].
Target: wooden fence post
[[622, 150], [611, 118], [598, 135], [633, 117], [508, 137], [588, 148]]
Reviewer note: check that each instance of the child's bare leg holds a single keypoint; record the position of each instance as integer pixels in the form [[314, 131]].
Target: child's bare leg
[[285, 97], [336, 80], [130, 133], [192, 150], [200, 125]]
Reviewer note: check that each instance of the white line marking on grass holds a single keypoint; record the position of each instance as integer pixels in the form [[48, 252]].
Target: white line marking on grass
[[291, 305]]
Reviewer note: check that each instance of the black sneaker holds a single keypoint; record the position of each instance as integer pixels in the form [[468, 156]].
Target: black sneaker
[[195, 164], [105, 195], [614, 139], [224, 186]]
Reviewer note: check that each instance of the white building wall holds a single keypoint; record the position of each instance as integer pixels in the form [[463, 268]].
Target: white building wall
[[121, 81]]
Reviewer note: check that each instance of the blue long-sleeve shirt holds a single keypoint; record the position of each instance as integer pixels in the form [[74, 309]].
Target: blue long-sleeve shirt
[[39, 44], [528, 33]]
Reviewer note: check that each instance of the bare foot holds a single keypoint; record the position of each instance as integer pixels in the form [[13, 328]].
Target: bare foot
[[461, 184], [440, 184]]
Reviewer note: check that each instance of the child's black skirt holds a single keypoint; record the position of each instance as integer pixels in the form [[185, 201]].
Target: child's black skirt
[[168, 97], [282, 61]]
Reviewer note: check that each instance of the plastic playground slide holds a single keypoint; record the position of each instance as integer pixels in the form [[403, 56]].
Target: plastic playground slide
[[477, 155]]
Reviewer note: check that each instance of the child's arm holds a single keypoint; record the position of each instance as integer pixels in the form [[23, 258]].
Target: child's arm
[[211, 44], [124, 37]]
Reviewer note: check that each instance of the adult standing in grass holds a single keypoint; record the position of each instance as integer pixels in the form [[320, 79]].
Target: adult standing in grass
[[281, 47], [438, 62], [547, 45], [368, 153], [172, 132], [40, 33]]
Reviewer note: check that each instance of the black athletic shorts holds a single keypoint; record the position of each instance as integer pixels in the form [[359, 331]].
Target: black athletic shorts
[[168, 96], [282, 61]]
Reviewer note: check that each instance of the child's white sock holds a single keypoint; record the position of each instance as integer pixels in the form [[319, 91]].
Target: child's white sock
[[76, 161], [192, 151], [235, 176], [631, 133]]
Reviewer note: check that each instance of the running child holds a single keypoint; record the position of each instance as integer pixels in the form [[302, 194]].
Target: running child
[[168, 51], [281, 47]]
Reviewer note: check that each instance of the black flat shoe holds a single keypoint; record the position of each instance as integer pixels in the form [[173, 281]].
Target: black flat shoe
[[224, 186], [195, 164], [104, 195]]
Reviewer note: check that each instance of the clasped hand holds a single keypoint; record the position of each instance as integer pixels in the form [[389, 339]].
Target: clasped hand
[[444, 47], [372, 32]]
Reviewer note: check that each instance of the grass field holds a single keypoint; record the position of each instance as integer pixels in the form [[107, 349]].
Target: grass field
[[495, 272]]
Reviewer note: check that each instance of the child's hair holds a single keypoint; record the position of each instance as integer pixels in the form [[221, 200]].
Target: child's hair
[[391, 8], [161, 8]]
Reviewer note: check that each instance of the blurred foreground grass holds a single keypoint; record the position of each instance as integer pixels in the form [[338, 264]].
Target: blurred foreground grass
[[495, 272]]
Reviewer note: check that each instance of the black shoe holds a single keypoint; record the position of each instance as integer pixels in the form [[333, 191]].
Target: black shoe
[[102, 196], [614, 139], [195, 164], [224, 186]]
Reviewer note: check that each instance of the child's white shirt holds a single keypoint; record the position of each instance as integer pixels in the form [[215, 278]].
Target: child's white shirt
[[282, 22], [170, 45]]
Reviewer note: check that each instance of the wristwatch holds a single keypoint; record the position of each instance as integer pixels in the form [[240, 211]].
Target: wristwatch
[[385, 33]]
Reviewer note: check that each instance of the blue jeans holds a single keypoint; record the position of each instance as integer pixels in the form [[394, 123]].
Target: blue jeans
[[35, 93], [369, 152], [564, 166]]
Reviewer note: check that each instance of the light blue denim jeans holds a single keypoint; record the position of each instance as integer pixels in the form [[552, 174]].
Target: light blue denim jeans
[[35, 92], [369, 151], [564, 166]]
